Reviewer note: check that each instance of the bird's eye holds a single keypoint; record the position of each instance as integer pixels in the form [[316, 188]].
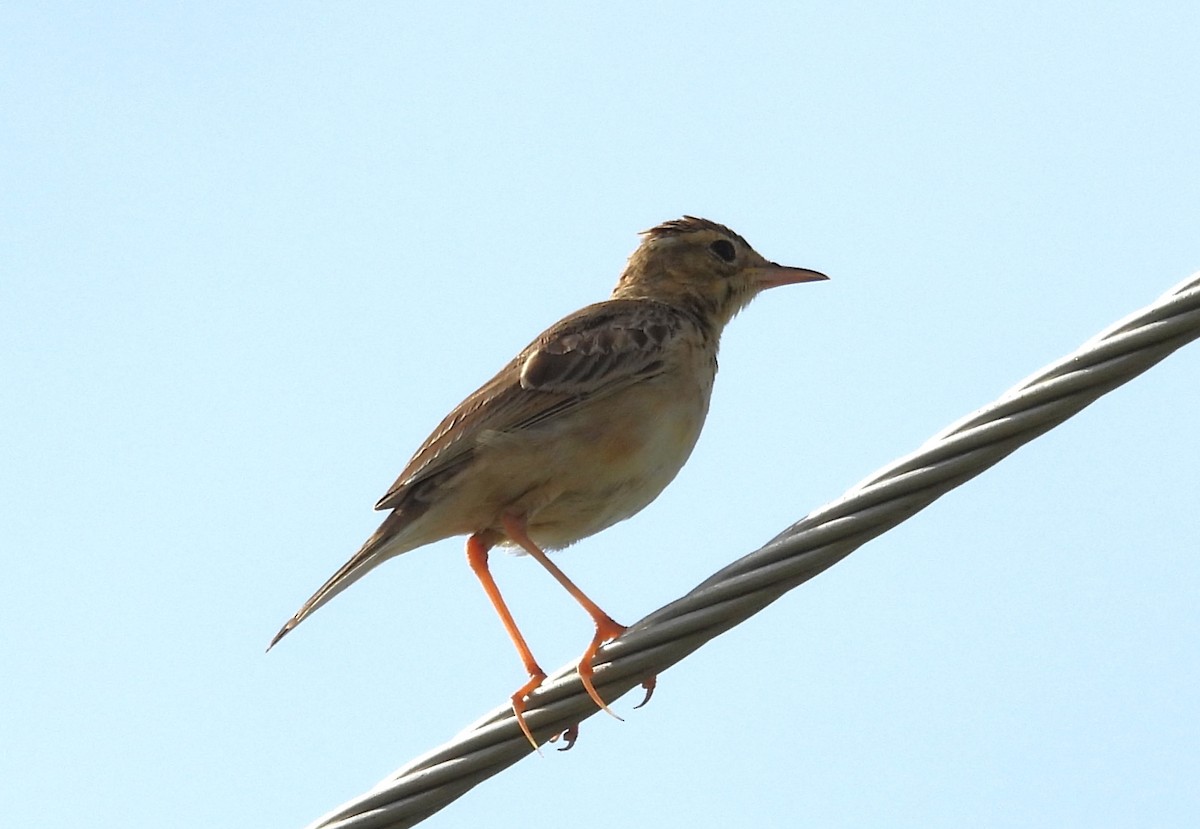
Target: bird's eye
[[723, 248]]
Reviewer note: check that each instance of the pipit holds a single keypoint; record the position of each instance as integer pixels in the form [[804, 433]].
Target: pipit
[[582, 429]]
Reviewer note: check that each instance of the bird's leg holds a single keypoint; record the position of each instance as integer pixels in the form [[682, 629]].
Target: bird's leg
[[477, 557], [606, 628]]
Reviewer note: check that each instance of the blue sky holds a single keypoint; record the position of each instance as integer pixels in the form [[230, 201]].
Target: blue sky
[[250, 255]]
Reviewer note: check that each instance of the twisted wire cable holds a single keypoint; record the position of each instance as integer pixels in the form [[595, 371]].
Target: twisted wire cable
[[815, 543]]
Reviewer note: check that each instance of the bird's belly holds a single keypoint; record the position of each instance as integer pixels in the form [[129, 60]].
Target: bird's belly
[[607, 461]]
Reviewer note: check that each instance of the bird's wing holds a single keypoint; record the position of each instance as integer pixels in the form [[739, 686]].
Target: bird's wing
[[588, 355]]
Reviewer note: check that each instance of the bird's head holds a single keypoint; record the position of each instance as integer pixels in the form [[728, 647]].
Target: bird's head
[[703, 267]]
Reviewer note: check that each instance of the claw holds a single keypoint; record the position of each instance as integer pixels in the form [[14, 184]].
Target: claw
[[650, 684], [606, 630], [518, 706], [569, 736]]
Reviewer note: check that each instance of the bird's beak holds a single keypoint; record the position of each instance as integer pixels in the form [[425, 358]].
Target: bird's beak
[[773, 275]]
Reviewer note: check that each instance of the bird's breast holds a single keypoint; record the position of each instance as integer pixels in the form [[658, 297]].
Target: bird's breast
[[607, 460]]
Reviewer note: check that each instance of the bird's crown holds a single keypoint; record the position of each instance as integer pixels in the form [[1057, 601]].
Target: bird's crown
[[690, 224]]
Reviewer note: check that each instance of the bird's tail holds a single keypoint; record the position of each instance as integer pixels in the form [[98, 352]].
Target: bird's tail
[[386, 542]]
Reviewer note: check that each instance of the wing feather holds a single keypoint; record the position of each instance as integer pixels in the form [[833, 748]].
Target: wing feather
[[586, 356]]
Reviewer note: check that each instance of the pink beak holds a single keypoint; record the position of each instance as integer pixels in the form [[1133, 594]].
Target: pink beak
[[773, 275]]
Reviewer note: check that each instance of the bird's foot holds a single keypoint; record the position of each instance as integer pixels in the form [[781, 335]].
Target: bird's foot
[[606, 631], [519, 700], [569, 736]]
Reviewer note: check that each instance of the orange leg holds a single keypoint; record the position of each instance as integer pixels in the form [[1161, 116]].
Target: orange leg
[[606, 628], [477, 557]]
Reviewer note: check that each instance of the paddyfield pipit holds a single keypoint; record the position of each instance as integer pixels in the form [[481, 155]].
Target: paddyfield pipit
[[582, 429]]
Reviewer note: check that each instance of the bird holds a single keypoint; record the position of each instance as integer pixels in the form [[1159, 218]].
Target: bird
[[583, 429]]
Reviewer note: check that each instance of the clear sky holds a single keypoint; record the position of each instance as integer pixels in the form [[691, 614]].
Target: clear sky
[[251, 254]]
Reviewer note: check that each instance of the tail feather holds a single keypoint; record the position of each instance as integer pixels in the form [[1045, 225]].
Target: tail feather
[[381, 546]]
